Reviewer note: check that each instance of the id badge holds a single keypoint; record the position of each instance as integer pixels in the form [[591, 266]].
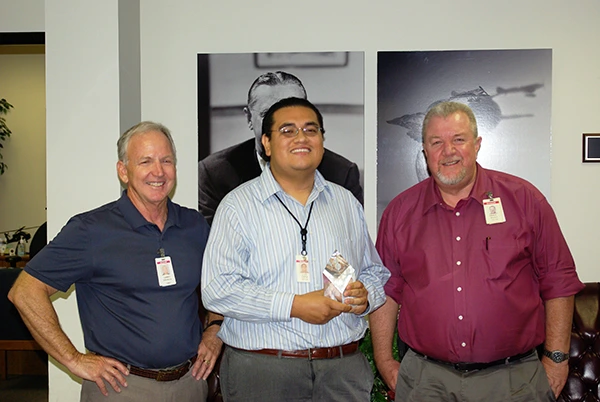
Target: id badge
[[302, 271], [164, 271], [494, 213]]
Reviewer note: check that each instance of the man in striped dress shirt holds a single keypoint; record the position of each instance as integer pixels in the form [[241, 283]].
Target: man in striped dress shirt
[[285, 339]]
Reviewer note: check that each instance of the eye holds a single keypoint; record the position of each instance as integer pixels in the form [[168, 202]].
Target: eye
[[311, 130], [288, 131]]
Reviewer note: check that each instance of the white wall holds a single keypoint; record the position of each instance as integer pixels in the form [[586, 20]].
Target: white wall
[[21, 15], [83, 125]]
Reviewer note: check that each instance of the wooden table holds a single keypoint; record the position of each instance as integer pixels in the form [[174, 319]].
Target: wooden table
[[20, 264]]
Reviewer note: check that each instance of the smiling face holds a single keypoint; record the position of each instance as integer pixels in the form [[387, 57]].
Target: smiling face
[[300, 154], [150, 171], [451, 149]]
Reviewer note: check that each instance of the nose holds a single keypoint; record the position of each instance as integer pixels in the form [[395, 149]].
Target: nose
[[300, 136], [157, 169], [449, 148]]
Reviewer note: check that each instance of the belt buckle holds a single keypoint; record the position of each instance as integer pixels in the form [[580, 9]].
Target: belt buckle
[[161, 375], [310, 353], [462, 367]]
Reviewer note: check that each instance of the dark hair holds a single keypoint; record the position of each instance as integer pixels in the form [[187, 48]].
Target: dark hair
[[272, 79], [268, 121]]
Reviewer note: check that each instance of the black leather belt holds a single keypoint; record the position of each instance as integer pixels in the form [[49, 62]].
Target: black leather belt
[[172, 374], [310, 354], [467, 367]]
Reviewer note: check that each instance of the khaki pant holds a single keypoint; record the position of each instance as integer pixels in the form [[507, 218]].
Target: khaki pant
[[422, 380], [140, 389], [252, 377]]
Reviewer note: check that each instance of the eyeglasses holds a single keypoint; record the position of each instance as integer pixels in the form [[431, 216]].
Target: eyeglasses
[[292, 131]]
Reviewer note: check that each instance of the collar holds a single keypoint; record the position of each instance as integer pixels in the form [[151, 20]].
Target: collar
[[483, 185], [269, 186], [135, 219], [261, 162]]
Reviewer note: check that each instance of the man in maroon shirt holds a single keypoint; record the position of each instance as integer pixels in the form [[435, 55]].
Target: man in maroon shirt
[[483, 275]]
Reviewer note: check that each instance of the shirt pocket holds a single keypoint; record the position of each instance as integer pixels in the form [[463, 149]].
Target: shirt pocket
[[503, 258]]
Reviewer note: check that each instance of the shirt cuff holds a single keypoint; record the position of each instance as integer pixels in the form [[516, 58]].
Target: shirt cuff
[[281, 309]]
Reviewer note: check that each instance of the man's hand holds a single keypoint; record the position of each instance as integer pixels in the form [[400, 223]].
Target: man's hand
[[315, 308], [557, 374], [208, 353], [98, 369], [356, 295], [389, 372]]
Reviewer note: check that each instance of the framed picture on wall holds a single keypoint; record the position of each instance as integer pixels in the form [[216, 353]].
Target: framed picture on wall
[[234, 95], [591, 148], [509, 91]]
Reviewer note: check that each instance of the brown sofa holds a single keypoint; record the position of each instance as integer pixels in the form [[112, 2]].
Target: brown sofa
[[584, 359]]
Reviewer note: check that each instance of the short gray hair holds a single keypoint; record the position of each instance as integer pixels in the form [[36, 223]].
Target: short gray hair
[[445, 109], [142, 128]]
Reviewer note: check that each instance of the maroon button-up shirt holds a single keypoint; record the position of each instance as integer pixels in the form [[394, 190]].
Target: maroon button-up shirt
[[469, 291]]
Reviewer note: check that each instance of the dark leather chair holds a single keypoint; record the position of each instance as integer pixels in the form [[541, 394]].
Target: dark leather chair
[[39, 240], [584, 357]]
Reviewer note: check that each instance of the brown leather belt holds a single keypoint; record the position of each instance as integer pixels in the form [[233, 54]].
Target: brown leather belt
[[310, 354], [171, 374], [467, 367]]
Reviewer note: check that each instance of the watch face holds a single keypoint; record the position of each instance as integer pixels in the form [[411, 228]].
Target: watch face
[[556, 356]]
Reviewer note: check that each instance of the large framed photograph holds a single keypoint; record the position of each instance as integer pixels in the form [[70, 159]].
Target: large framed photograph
[[591, 148], [235, 90], [509, 91]]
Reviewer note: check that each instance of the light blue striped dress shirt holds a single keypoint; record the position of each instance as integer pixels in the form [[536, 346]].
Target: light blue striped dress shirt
[[249, 268]]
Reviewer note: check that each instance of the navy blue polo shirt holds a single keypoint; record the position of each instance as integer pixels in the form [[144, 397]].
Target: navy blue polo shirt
[[109, 254]]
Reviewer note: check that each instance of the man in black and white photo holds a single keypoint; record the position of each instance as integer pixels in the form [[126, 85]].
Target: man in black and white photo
[[221, 172]]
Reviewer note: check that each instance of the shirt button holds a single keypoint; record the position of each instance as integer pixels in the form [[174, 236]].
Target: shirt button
[[463, 344], [458, 214], [457, 238], [460, 317], [459, 289], [458, 262]]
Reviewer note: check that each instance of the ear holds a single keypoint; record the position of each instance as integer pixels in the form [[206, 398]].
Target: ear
[[122, 172], [248, 118], [477, 144], [266, 142]]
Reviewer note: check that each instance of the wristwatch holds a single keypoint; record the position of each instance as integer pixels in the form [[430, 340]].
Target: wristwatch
[[556, 356]]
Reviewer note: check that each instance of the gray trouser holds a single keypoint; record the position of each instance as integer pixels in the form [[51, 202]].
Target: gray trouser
[[140, 389], [248, 376], [422, 380]]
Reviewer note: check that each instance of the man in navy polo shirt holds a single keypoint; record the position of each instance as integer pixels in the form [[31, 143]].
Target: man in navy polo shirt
[[136, 264]]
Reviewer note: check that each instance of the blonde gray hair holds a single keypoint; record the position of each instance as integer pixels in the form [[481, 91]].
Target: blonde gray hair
[[142, 128]]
